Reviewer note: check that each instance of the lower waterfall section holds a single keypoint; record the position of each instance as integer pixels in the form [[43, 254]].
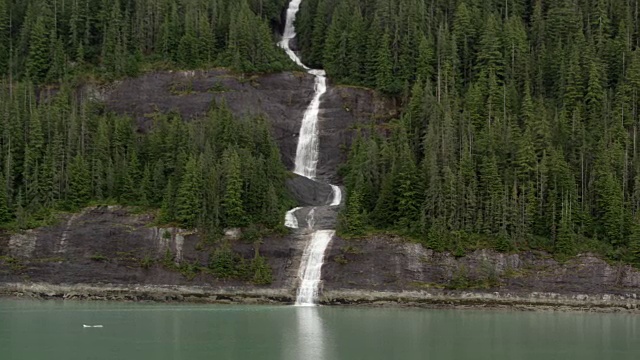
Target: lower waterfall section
[[311, 267]]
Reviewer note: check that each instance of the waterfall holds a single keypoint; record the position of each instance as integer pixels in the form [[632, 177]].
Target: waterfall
[[337, 196], [290, 219], [306, 162], [311, 267], [307, 152]]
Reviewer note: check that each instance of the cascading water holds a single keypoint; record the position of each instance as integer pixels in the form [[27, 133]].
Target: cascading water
[[290, 219], [311, 267], [305, 165]]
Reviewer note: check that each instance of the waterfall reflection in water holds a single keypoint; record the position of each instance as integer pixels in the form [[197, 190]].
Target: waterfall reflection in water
[[309, 338]]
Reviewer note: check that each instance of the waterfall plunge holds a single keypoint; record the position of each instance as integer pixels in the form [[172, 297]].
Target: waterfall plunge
[[310, 272], [311, 267]]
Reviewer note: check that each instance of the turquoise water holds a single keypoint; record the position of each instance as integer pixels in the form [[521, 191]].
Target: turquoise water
[[54, 330]]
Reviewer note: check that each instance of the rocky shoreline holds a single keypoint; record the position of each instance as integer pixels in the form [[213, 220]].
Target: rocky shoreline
[[147, 293], [535, 301]]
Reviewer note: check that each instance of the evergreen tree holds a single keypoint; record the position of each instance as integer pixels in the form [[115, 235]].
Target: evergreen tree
[[189, 199], [234, 214], [79, 183], [634, 242], [38, 60], [385, 80], [354, 220], [5, 212], [5, 38]]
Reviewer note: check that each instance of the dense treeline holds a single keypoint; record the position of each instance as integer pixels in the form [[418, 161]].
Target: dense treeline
[[520, 125], [48, 40], [61, 153]]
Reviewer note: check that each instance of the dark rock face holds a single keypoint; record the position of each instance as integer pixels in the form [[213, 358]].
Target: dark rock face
[[108, 245], [383, 263], [308, 192], [282, 98], [344, 109]]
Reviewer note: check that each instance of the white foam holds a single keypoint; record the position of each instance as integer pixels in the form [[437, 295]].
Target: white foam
[[290, 219], [311, 267]]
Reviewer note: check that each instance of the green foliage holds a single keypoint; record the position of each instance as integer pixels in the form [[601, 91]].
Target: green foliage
[[46, 41], [99, 258], [79, 183], [460, 280], [189, 199], [5, 211], [146, 262], [262, 273], [634, 242], [190, 269], [517, 129], [168, 259], [224, 263], [234, 213], [64, 154], [353, 220], [38, 60]]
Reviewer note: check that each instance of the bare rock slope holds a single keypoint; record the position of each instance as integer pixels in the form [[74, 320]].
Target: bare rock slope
[[282, 98]]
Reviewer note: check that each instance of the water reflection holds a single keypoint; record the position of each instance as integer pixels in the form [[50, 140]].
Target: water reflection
[[308, 342]]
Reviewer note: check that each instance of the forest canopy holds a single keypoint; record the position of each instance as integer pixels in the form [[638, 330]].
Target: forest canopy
[[520, 119], [47, 41], [519, 125], [62, 154]]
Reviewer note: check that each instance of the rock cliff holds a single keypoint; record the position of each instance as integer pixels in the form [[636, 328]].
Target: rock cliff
[[282, 98], [111, 253]]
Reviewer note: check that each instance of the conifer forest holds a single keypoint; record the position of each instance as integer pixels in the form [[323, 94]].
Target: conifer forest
[[518, 126]]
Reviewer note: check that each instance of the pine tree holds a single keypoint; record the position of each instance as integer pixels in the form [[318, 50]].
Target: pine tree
[[490, 57], [354, 220], [146, 188], [634, 241], [189, 199], [234, 214], [320, 24], [167, 210], [565, 243], [5, 212], [79, 183], [58, 63], [38, 60], [336, 47], [385, 80], [5, 39]]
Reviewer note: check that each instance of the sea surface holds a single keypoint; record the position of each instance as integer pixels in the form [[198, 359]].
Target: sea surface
[[56, 330]]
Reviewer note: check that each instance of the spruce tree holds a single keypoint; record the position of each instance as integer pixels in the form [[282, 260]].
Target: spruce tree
[[5, 212], [188, 201], [354, 220], [634, 241], [385, 80], [38, 60], [79, 183], [234, 214], [5, 38]]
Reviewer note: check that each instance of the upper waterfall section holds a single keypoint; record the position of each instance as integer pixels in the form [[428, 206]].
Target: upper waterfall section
[[307, 152], [290, 33]]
